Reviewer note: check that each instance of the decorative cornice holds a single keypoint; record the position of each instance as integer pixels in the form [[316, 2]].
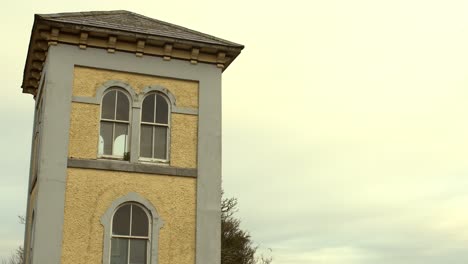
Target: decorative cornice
[[46, 33]]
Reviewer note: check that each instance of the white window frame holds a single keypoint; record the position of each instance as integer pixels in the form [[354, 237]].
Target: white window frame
[[130, 237], [168, 126], [114, 121]]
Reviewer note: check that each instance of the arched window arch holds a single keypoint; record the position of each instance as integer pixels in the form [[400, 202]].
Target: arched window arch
[[114, 248], [130, 239], [115, 124], [155, 127]]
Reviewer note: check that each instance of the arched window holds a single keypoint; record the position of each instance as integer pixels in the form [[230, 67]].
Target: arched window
[[130, 239], [155, 121], [115, 120]]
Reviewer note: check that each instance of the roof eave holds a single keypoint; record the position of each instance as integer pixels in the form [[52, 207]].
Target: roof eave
[[82, 26], [231, 50]]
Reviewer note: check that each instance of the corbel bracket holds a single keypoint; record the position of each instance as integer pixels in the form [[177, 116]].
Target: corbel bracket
[[167, 52], [220, 60], [83, 40], [53, 37], [140, 48], [111, 43], [194, 55]]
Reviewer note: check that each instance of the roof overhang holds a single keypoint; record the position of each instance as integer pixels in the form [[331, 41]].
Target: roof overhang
[[47, 32]]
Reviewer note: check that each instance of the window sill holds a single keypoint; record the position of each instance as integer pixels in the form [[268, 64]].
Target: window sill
[[154, 162], [126, 166], [116, 158]]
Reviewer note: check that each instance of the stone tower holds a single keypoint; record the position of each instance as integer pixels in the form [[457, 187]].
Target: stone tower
[[126, 153]]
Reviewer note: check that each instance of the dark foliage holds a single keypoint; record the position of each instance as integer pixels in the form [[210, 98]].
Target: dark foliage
[[16, 258], [236, 244]]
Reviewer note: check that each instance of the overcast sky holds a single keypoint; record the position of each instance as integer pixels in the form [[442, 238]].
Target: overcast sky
[[345, 123]]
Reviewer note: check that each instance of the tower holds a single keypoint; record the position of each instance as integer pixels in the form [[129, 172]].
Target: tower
[[126, 153]]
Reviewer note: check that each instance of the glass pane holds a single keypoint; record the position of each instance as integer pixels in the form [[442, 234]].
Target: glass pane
[[139, 221], [147, 114], [121, 221], [138, 251], [101, 145], [161, 110], [106, 137], [119, 251], [160, 139], [108, 105], [120, 139], [122, 107], [146, 141]]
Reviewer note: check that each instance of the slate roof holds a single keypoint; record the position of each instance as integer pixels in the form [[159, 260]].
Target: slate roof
[[122, 20]]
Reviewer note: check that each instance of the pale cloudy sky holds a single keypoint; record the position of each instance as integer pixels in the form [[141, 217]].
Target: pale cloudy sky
[[345, 123]]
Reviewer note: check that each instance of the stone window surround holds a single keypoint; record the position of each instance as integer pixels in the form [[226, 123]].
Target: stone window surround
[[156, 224], [136, 98]]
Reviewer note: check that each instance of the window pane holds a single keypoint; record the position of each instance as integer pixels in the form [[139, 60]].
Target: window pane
[[146, 141], [108, 105], [119, 251], [138, 251], [122, 107], [106, 137], [101, 145], [120, 139], [139, 221], [161, 110], [147, 114], [121, 221], [160, 139]]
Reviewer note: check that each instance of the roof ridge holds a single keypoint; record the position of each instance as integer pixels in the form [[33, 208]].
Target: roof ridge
[[83, 13]]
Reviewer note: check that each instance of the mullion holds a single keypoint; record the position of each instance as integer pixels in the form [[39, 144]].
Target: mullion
[[152, 142], [115, 118], [113, 123], [112, 139], [115, 109], [129, 240], [152, 129]]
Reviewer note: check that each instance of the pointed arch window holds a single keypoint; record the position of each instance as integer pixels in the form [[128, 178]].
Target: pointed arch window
[[155, 127], [130, 241], [115, 122]]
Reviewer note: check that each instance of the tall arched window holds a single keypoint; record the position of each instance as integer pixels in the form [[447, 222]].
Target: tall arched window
[[130, 240], [155, 121], [115, 120]]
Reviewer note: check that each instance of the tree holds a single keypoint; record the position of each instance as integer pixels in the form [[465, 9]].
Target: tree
[[16, 257], [236, 244]]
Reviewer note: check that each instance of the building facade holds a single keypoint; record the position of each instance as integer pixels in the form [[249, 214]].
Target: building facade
[[126, 153]]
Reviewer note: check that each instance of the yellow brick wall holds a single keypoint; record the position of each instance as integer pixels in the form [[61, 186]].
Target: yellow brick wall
[[88, 80], [84, 131], [91, 192], [84, 124]]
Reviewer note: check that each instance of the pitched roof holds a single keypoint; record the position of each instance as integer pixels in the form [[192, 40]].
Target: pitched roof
[[122, 20]]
